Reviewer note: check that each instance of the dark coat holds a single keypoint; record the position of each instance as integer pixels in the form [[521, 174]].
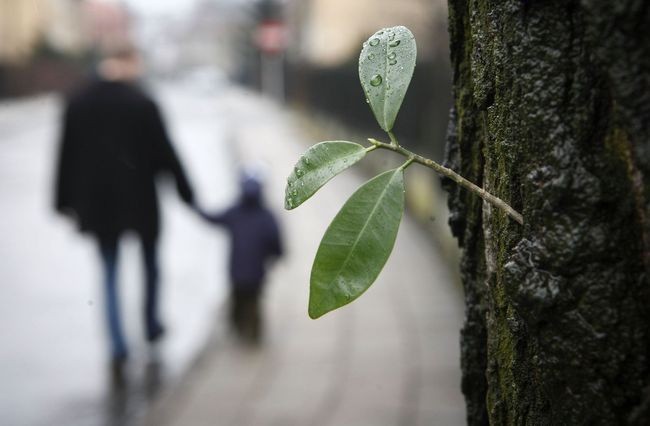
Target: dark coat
[[255, 238], [113, 145]]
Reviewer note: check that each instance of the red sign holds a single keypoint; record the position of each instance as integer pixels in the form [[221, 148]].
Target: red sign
[[271, 37]]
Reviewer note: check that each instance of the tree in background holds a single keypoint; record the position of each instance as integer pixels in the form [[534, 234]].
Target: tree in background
[[552, 113]]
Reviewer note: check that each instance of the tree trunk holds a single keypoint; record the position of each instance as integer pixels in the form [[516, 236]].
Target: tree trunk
[[552, 114]]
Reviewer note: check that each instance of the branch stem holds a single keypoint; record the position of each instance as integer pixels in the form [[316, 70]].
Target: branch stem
[[496, 201], [407, 163], [393, 139]]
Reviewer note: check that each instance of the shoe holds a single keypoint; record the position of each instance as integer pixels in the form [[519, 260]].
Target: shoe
[[118, 370]]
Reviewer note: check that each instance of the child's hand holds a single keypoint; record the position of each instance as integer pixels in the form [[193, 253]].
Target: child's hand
[[198, 209], [204, 214], [212, 217]]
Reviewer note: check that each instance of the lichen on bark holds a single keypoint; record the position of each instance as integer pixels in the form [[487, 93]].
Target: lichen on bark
[[552, 114]]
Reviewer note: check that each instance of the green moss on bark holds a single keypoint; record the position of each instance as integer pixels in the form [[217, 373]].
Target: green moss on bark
[[546, 118]]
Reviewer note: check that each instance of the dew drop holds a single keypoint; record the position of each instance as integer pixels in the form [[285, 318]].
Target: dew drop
[[394, 43], [367, 100], [371, 56], [391, 36], [392, 55], [299, 172], [374, 42], [294, 192], [376, 80], [392, 62]]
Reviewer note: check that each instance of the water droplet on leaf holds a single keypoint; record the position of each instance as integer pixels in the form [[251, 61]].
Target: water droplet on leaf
[[394, 43], [376, 80], [392, 62], [374, 42], [392, 55], [371, 56]]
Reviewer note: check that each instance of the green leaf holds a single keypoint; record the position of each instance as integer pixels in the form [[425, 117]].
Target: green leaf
[[357, 243], [317, 166], [386, 66]]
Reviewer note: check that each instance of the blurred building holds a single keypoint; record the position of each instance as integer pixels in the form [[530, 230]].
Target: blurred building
[[21, 26], [326, 38], [44, 43], [26, 25], [105, 23], [63, 29], [332, 30]]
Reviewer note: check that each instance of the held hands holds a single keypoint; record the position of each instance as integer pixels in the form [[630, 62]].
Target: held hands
[[204, 214]]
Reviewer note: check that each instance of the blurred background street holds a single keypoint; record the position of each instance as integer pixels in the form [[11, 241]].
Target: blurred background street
[[239, 82]]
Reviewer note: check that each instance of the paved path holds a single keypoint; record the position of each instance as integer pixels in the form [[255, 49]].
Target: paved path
[[390, 358]]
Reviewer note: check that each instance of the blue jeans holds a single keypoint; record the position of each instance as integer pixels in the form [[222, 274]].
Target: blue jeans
[[109, 254]]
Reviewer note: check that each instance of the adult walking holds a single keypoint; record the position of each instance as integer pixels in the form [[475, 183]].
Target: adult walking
[[113, 146]]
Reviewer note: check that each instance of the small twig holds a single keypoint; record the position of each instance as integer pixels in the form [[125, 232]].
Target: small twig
[[496, 201]]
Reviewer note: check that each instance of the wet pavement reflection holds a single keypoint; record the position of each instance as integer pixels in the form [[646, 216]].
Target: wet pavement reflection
[[130, 393]]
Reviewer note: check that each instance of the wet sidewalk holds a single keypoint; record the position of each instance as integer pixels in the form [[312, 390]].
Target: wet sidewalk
[[390, 358]]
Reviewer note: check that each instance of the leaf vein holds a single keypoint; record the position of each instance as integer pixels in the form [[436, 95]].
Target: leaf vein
[[365, 225]]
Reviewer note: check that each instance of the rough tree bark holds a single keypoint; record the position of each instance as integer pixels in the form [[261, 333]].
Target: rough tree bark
[[552, 113]]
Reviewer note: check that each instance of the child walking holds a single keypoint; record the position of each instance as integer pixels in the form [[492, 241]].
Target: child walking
[[255, 239]]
